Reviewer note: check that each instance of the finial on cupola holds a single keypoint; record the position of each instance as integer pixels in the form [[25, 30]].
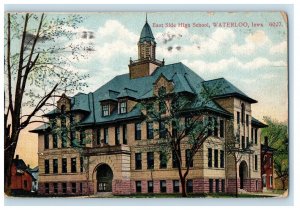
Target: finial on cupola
[[146, 18]]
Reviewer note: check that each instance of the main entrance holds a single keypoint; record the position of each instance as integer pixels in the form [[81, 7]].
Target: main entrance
[[104, 178], [243, 172]]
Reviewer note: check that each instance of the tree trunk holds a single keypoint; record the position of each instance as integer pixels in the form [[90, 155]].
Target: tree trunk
[[283, 183], [236, 178], [183, 187]]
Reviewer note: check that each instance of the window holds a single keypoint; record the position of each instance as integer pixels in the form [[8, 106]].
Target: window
[[138, 161], [81, 164], [25, 183], [222, 128], [54, 138], [163, 186], [188, 158], [64, 165], [82, 137], [46, 141], [73, 165], [124, 134], [189, 186], [221, 158], [55, 166], [255, 162], [162, 130], [80, 187], [63, 137], [247, 141], [175, 186], [105, 110], [138, 186], [187, 124], [150, 186], [255, 132], [105, 135], [238, 117], [55, 188], [217, 185], [174, 159], [209, 126], [123, 107], [216, 158], [209, 157], [252, 134], [211, 183], [98, 138], [216, 127], [247, 119], [243, 142], [73, 187], [223, 185], [162, 104], [47, 188], [174, 129], [149, 130], [64, 187], [243, 113], [163, 160], [271, 181], [117, 135], [138, 131], [72, 131], [162, 107], [150, 160], [46, 166]]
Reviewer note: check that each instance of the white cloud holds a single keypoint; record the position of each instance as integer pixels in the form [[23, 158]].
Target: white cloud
[[280, 48], [261, 62], [252, 43]]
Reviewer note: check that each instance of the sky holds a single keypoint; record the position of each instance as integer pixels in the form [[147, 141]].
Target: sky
[[249, 49]]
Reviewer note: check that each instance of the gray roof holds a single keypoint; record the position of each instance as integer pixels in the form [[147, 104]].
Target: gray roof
[[146, 34], [223, 88], [257, 123]]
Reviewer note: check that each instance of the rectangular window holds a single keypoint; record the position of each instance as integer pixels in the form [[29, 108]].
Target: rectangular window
[[105, 135], [47, 167], [47, 188], [55, 188], [162, 107], [175, 186], [216, 158], [211, 183], [64, 165], [82, 137], [98, 136], [123, 107], [163, 186], [54, 138], [138, 186], [150, 160], [216, 127], [46, 141], [252, 134], [255, 162], [80, 187], [63, 137], [217, 185], [247, 141], [149, 130], [163, 160], [138, 131], [117, 135], [210, 126], [271, 181], [150, 186], [221, 158], [55, 166], [209, 157], [189, 186], [222, 128], [243, 142], [223, 185], [73, 187], [247, 120], [188, 158], [125, 134], [105, 110], [162, 130], [73, 165], [187, 124], [81, 164], [238, 117], [174, 159], [255, 130], [138, 161], [64, 187]]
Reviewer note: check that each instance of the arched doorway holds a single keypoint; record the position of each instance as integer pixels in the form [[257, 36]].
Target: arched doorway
[[104, 178], [243, 172]]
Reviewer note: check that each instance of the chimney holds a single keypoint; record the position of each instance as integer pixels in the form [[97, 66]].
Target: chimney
[[17, 157], [266, 141], [28, 166]]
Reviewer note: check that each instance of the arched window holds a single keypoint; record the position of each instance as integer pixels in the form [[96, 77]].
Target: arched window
[[243, 113]]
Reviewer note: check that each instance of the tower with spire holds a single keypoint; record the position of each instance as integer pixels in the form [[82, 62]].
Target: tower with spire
[[147, 62]]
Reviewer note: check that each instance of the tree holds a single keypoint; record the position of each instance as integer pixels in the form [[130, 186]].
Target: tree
[[179, 124], [277, 133], [38, 54]]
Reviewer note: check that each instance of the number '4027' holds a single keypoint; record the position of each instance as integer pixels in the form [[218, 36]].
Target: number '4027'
[[275, 24]]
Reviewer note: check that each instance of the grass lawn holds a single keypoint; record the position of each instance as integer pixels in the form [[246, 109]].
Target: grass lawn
[[193, 196]]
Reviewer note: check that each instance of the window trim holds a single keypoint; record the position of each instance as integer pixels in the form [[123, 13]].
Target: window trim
[[138, 131], [105, 110]]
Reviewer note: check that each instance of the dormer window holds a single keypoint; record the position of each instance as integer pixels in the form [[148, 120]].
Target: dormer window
[[123, 107], [105, 110]]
